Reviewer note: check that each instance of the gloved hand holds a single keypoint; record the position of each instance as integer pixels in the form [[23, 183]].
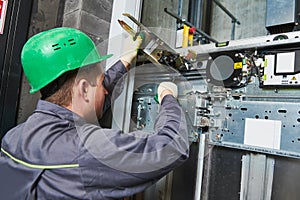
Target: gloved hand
[[130, 48], [166, 88]]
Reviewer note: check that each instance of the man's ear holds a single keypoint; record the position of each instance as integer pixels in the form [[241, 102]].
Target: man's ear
[[83, 88]]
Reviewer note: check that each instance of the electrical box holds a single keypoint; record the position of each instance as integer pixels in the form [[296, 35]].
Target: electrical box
[[282, 15]]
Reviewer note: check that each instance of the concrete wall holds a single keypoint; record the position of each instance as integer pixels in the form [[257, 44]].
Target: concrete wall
[[91, 16], [162, 24], [251, 14]]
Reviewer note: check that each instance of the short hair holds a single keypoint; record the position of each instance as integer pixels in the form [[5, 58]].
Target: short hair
[[60, 90]]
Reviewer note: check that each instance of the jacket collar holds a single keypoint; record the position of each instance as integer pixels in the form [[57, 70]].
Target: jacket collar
[[54, 109]]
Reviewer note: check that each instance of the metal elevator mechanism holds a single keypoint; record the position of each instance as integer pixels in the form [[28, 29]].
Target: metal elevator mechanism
[[242, 107]]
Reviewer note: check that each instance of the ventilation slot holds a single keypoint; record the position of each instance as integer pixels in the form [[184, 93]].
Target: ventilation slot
[[56, 47], [71, 41], [282, 111]]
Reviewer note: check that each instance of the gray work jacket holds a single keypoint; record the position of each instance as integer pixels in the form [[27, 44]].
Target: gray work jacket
[[55, 154]]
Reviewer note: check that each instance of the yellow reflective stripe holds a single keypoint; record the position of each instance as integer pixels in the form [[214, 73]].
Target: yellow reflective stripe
[[39, 166]]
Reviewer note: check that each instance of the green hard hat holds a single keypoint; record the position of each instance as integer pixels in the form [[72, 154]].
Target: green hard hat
[[49, 54]]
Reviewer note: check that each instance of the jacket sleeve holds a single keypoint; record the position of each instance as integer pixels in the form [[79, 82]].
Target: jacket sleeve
[[112, 76], [124, 164]]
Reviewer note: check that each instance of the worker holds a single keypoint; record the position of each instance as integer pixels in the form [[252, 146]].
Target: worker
[[60, 152]]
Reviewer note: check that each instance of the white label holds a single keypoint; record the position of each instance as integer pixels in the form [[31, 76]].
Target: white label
[[262, 133], [285, 62]]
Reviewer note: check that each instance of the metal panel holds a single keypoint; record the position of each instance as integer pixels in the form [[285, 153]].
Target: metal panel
[[286, 179], [257, 176], [263, 42], [234, 125], [222, 174], [280, 12], [116, 33], [15, 35], [184, 177]]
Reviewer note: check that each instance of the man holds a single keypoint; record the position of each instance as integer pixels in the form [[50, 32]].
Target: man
[[59, 152]]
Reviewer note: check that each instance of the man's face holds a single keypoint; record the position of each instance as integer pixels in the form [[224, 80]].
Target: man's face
[[99, 97], [91, 94]]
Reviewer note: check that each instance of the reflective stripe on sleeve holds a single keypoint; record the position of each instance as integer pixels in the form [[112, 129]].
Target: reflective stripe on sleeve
[[39, 166]]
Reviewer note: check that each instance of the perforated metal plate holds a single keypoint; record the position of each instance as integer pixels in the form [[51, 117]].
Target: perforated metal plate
[[232, 132]]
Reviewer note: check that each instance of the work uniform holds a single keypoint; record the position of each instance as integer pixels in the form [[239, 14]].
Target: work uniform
[[55, 154]]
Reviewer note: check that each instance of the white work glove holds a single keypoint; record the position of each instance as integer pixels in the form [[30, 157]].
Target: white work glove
[[130, 48], [166, 88]]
